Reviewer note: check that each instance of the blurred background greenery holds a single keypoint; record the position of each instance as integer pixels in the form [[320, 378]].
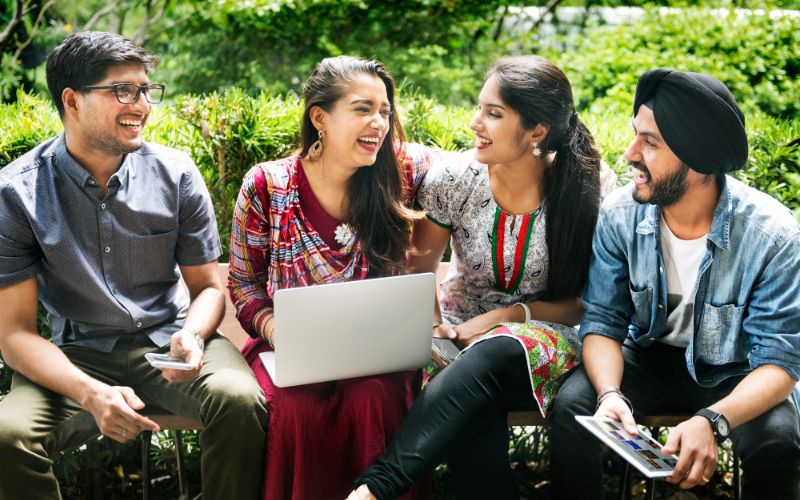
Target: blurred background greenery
[[233, 71]]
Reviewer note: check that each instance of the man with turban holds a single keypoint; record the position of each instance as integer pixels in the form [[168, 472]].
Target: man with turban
[[693, 303]]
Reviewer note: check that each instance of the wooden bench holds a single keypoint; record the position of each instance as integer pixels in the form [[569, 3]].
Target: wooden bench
[[231, 329]]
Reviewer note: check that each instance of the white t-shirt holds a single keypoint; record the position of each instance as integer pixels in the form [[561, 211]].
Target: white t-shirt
[[682, 262]]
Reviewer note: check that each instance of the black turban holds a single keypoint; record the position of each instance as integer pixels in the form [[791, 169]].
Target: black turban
[[698, 118]]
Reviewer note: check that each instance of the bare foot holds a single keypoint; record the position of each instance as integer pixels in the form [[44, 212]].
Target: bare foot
[[361, 493]]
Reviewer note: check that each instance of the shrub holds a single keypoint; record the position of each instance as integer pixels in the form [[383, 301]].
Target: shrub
[[273, 46], [444, 48], [227, 133], [754, 54], [24, 124]]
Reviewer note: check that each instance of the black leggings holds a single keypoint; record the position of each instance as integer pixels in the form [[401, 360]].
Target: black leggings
[[460, 417]]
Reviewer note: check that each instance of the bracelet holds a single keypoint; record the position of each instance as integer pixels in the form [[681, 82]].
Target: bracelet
[[436, 323], [271, 332], [525, 308], [605, 393], [260, 323], [201, 343]]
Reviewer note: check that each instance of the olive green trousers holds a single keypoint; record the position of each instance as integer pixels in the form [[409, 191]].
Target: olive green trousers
[[36, 422]]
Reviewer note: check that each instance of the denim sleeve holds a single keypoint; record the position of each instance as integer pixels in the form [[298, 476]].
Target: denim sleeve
[[20, 256], [198, 242], [607, 305], [772, 323]]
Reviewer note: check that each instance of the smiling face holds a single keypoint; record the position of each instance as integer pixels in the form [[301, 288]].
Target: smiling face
[[103, 123], [660, 177], [499, 135], [357, 125]]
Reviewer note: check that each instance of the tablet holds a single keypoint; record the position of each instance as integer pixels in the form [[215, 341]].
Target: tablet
[[446, 349], [641, 451]]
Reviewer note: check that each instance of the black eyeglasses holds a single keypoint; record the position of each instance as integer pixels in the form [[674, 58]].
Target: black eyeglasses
[[128, 93]]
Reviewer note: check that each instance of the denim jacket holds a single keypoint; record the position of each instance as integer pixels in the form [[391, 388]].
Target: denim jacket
[[747, 295]]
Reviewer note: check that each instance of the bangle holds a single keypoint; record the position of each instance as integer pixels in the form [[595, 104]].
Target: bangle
[[436, 323], [261, 322], [525, 308], [605, 393]]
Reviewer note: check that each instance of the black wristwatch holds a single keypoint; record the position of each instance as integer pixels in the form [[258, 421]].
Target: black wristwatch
[[719, 424]]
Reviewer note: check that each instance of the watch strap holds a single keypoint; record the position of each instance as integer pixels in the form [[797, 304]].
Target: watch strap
[[714, 418]]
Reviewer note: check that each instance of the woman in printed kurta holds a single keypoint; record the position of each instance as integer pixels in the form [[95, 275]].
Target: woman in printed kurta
[[312, 219], [519, 212]]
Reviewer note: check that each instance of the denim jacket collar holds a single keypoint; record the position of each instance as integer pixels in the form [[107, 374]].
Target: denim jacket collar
[[719, 234]]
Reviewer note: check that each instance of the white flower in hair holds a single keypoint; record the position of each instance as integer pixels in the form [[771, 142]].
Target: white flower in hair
[[343, 234]]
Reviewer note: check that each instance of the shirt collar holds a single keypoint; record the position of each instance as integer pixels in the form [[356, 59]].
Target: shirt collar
[[82, 176], [650, 221], [721, 223]]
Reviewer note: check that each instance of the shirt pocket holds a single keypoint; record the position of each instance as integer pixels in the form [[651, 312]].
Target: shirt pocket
[[719, 339], [152, 258], [642, 304]]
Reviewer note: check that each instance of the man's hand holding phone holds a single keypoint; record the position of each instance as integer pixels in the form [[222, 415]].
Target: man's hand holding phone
[[185, 358]]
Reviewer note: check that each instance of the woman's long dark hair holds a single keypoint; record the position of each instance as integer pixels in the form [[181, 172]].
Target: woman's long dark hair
[[541, 93], [376, 210]]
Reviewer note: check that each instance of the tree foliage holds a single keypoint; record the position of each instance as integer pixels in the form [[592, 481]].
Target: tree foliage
[[754, 54]]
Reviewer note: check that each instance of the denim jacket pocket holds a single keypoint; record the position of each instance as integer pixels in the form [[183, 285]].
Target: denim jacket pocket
[[642, 304], [719, 339]]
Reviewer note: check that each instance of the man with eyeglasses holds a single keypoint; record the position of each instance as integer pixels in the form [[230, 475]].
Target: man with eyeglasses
[[96, 225]]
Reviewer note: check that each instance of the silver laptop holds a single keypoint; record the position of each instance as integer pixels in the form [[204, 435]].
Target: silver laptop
[[352, 329]]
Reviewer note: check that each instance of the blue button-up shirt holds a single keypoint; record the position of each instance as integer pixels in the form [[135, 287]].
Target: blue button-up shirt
[[106, 265], [747, 294]]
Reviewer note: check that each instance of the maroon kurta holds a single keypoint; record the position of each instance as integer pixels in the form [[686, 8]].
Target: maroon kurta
[[320, 437]]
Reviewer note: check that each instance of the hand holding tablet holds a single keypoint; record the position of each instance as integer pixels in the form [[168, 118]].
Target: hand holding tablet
[[640, 450]]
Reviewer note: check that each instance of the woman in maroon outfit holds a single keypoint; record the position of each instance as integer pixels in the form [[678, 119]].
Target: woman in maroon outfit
[[337, 211]]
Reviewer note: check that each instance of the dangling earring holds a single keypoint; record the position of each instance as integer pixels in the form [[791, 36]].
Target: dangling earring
[[535, 150], [315, 151]]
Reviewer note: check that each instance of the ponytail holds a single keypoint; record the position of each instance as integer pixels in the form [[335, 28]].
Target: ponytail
[[572, 194], [540, 92]]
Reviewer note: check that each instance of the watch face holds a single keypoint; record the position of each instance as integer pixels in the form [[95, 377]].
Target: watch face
[[722, 427]]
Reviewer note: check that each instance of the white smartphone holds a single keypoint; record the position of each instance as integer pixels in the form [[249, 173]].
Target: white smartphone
[[166, 361]]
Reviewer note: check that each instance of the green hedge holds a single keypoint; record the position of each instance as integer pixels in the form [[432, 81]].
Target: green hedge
[[756, 55], [444, 47], [227, 133]]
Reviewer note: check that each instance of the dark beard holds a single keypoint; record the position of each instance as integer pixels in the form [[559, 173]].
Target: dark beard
[[112, 146], [667, 191]]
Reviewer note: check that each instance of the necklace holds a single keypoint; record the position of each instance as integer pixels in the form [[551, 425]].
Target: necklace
[[505, 283]]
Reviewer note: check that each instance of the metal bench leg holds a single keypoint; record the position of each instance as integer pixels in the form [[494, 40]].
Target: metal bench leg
[[625, 483], [146, 436], [183, 480], [737, 480], [650, 488]]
